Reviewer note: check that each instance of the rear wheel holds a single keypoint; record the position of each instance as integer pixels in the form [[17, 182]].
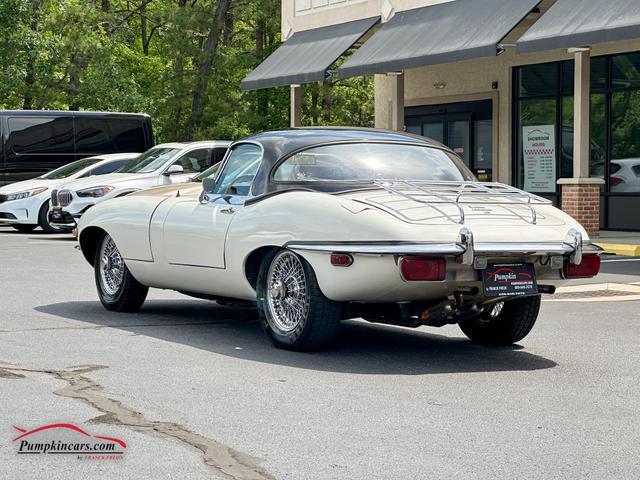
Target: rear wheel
[[43, 220], [503, 323], [24, 228], [293, 311], [117, 289]]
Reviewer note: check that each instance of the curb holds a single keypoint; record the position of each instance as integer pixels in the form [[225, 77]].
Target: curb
[[628, 250]]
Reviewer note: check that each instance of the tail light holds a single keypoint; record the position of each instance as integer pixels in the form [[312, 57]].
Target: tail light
[[341, 260], [589, 267], [423, 269], [616, 180]]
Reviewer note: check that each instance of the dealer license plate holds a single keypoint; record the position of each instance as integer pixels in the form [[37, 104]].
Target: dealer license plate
[[56, 213], [508, 279]]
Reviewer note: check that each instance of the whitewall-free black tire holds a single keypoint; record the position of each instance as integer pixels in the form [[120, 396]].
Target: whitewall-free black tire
[[503, 323], [294, 313], [117, 289]]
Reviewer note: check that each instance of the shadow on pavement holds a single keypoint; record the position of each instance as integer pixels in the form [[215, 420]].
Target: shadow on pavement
[[359, 347]]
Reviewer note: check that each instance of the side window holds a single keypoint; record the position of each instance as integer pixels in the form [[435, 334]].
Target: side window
[[239, 170], [195, 161], [217, 154], [108, 135], [29, 135], [108, 168]]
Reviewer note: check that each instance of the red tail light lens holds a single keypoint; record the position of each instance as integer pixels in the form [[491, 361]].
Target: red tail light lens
[[423, 269], [589, 267], [341, 260], [616, 180]]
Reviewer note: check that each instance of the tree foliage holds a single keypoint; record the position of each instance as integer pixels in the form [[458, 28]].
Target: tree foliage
[[181, 61]]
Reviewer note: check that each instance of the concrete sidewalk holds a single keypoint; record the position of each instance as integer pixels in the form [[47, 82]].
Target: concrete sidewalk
[[619, 243]]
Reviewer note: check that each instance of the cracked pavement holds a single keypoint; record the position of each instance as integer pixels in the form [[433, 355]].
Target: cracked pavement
[[197, 392]]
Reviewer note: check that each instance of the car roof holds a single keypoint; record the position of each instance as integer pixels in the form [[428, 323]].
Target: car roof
[[115, 156], [68, 113], [199, 143], [279, 143]]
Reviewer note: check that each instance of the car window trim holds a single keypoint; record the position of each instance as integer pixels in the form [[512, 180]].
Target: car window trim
[[286, 157], [225, 160]]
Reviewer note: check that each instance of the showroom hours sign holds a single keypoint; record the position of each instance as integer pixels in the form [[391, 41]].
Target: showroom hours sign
[[539, 154]]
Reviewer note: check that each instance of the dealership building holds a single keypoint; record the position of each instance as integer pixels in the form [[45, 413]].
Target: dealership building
[[543, 95]]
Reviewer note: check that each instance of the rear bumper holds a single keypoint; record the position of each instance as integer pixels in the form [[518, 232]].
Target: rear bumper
[[374, 276], [465, 247], [442, 249]]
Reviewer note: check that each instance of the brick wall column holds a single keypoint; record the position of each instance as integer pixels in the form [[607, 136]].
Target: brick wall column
[[581, 200]]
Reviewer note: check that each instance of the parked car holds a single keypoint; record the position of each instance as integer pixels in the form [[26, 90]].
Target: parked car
[[319, 225], [37, 141], [166, 164], [192, 188], [625, 175], [25, 205]]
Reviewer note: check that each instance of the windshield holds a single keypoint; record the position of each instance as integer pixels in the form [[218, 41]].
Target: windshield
[[70, 169], [149, 161], [209, 172], [367, 162]]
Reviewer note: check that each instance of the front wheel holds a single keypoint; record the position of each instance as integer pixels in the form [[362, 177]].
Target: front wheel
[[294, 313], [503, 323], [117, 289], [43, 220]]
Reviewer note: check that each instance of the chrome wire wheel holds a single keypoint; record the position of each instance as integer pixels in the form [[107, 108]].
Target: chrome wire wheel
[[111, 267], [287, 294]]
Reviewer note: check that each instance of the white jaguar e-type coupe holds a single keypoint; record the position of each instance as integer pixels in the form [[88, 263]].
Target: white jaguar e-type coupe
[[319, 225]]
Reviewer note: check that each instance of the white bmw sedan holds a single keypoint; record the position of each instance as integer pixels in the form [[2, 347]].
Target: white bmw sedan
[[165, 164], [25, 205]]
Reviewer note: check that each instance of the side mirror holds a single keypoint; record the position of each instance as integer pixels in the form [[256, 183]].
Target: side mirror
[[174, 169], [208, 184]]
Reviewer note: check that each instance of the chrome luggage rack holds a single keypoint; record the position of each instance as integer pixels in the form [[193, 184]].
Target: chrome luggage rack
[[431, 193]]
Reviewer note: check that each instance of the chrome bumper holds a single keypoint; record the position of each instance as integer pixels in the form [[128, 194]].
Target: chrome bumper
[[465, 247]]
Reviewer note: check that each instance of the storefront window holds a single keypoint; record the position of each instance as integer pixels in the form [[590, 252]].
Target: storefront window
[[625, 142], [544, 107], [626, 71], [566, 143], [536, 80], [598, 134], [484, 144]]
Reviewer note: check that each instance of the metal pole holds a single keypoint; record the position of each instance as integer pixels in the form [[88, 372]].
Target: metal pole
[[296, 106]]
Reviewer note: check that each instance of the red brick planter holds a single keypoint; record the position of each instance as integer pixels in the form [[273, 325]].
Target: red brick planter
[[581, 200]]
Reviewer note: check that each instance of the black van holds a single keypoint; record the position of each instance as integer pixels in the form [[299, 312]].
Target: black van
[[37, 141]]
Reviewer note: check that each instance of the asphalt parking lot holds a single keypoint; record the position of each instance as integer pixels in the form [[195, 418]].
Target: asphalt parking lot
[[197, 391]]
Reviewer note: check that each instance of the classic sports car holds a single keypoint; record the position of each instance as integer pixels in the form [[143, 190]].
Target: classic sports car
[[319, 225]]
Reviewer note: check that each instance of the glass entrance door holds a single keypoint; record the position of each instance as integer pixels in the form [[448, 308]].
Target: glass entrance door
[[466, 128]]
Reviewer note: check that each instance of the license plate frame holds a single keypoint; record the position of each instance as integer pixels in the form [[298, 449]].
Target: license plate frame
[[509, 279], [56, 213]]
